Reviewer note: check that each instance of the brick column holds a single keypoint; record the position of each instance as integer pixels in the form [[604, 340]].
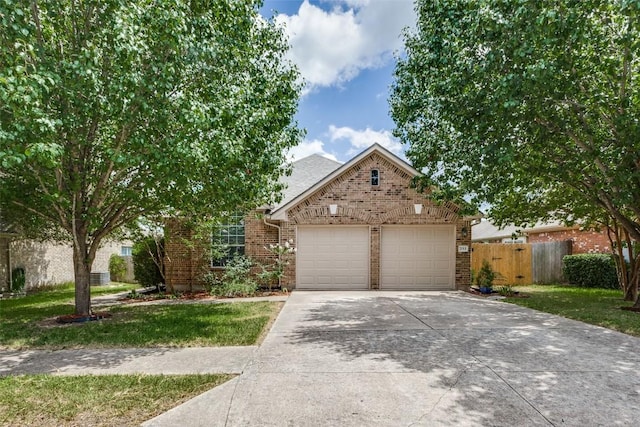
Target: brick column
[[374, 258]]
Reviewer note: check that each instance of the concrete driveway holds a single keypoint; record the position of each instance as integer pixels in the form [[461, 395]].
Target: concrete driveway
[[425, 359]]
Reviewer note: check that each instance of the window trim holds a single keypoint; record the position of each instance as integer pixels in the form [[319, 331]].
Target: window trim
[[374, 177], [235, 243], [126, 250]]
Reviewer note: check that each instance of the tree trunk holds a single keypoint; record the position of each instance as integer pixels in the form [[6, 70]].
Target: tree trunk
[[82, 272], [634, 283]]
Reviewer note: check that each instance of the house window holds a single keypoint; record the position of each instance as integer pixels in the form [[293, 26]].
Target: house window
[[375, 177], [125, 250], [228, 240]]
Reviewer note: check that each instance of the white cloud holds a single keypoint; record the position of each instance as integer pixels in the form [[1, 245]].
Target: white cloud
[[307, 148], [332, 47], [362, 139]]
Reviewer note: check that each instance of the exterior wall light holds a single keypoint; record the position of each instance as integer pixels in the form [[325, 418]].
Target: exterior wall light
[[464, 232]]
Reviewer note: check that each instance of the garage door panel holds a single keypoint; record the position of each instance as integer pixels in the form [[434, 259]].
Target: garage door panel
[[417, 257], [332, 257]]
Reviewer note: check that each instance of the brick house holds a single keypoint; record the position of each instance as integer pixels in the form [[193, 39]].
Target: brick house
[[582, 240], [355, 226]]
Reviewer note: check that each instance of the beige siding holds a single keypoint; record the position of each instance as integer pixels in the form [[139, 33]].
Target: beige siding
[[51, 263]]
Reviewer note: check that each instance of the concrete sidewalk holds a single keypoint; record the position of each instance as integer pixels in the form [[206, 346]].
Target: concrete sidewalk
[[168, 361], [424, 359]]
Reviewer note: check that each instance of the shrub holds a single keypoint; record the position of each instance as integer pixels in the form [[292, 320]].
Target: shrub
[[18, 279], [506, 291], [485, 277], [117, 267], [235, 289], [236, 281], [147, 261], [590, 270]]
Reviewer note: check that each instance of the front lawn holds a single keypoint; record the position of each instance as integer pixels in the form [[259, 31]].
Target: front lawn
[[29, 322], [595, 306], [109, 400]]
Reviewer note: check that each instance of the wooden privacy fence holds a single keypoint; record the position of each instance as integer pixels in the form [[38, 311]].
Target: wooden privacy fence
[[522, 263]]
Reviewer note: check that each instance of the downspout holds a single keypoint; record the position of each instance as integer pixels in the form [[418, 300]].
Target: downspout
[[264, 219]]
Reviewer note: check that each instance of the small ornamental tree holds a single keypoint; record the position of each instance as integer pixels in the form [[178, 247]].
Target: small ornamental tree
[[112, 110], [275, 272]]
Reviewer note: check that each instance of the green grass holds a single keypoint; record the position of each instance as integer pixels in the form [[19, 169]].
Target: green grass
[[110, 400], [52, 301], [595, 306], [29, 322]]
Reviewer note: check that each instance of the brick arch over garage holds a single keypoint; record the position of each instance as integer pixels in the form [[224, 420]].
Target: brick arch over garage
[[431, 213], [322, 215]]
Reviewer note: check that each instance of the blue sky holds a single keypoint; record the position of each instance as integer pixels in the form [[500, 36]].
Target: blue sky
[[345, 51]]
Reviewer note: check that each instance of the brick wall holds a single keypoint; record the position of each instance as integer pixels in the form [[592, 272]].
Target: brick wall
[[186, 257], [583, 241]]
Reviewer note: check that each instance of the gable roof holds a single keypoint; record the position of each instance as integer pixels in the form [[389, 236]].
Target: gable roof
[[279, 213], [304, 173]]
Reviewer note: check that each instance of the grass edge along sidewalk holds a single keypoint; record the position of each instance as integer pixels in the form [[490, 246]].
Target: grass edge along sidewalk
[[97, 400], [29, 323]]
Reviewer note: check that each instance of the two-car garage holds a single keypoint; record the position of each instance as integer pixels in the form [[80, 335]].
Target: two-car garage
[[416, 257]]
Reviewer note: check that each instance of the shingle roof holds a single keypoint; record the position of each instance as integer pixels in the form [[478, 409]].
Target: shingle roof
[[305, 173], [485, 230]]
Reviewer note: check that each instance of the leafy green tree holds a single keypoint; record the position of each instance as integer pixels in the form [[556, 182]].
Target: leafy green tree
[[115, 109], [531, 106]]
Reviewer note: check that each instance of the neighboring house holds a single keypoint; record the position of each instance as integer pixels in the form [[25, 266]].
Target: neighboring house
[[355, 226], [582, 241], [485, 232], [48, 263]]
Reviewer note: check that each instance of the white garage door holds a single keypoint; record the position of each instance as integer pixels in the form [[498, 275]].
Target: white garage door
[[417, 257], [332, 257]]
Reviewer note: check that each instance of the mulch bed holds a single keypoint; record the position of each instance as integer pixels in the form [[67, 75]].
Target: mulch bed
[[190, 296], [634, 309], [516, 294], [76, 318]]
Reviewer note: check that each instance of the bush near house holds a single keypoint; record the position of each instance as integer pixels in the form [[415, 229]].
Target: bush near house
[[590, 270], [147, 256], [117, 268], [236, 281]]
